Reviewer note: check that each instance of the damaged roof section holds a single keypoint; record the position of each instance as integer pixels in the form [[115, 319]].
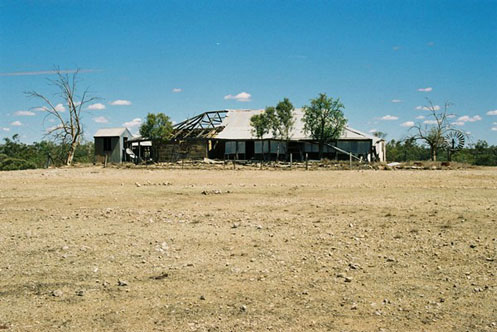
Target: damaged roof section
[[205, 125]]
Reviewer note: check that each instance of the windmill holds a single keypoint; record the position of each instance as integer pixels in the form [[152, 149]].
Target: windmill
[[454, 141]]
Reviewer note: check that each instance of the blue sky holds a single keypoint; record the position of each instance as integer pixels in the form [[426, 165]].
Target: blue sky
[[382, 58]]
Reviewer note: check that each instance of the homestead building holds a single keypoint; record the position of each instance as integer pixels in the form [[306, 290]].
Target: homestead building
[[227, 134]]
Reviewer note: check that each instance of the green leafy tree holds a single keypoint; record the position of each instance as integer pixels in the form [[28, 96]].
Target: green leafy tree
[[273, 124], [158, 128], [285, 112], [272, 120], [324, 120], [406, 150], [285, 117], [484, 154]]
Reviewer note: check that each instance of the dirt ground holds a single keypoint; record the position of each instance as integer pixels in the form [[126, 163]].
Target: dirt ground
[[93, 249]]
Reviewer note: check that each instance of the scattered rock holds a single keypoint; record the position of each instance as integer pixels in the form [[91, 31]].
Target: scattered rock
[[243, 308], [347, 279], [161, 276], [202, 297], [80, 292], [122, 283], [354, 266], [57, 293], [211, 192]]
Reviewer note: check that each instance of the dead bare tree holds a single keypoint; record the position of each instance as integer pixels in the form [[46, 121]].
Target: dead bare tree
[[69, 128], [436, 129]]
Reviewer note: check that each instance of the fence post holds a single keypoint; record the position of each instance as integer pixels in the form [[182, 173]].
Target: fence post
[[306, 161], [350, 160], [291, 159]]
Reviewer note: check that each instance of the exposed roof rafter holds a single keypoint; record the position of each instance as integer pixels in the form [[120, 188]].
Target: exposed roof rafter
[[203, 125]]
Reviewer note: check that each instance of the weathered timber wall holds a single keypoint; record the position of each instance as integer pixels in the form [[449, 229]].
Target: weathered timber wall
[[173, 151]]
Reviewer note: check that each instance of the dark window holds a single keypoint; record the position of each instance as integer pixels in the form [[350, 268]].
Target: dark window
[[107, 144]]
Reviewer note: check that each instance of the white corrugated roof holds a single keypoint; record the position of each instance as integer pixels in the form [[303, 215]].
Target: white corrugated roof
[[110, 132], [237, 126]]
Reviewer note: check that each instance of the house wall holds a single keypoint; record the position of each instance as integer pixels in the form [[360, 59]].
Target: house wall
[[356, 147], [198, 149], [269, 146], [113, 156], [172, 151], [234, 147]]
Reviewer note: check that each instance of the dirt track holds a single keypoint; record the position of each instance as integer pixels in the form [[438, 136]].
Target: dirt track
[[88, 249]]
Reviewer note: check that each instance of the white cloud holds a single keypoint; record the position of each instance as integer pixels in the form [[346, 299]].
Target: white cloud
[[120, 102], [24, 113], [242, 96], [16, 123], [177, 90], [428, 89], [458, 123], [97, 106], [430, 122], [372, 131], [494, 123], [101, 119], [420, 117], [493, 128], [133, 123], [389, 117], [451, 116], [60, 108], [407, 124], [6, 129], [429, 108], [396, 101], [467, 118], [494, 112]]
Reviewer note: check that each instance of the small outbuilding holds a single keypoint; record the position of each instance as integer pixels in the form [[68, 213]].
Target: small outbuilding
[[111, 143]]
